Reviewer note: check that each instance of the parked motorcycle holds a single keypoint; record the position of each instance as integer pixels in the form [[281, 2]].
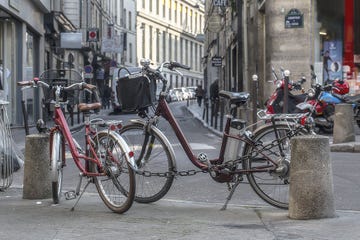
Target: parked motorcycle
[[322, 101], [275, 103], [319, 100]]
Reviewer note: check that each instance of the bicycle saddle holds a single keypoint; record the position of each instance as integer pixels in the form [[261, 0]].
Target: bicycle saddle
[[83, 107], [235, 97]]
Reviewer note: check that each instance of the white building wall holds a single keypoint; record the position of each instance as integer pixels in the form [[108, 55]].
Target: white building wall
[[175, 22]]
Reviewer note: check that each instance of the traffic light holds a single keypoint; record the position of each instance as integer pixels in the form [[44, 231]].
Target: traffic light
[[92, 35]]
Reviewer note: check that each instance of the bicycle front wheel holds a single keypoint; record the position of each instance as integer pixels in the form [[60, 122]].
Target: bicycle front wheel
[[117, 187], [154, 159], [56, 165], [272, 186]]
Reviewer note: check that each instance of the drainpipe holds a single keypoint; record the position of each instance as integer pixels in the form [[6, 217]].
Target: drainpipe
[[240, 48]]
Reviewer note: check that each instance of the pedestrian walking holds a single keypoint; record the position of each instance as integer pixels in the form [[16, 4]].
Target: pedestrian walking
[[199, 93]]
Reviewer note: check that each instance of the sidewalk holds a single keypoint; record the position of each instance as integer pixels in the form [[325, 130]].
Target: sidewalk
[[197, 112], [165, 219]]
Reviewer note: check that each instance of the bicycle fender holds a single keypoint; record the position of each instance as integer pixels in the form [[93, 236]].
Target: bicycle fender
[[121, 142], [162, 135]]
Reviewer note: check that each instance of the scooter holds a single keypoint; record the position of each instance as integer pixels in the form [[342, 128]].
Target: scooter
[[324, 100], [275, 103]]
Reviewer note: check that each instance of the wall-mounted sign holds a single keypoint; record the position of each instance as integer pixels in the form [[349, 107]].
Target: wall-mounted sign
[[71, 40], [92, 35], [220, 3], [214, 23], [216, 61], [294, 19]]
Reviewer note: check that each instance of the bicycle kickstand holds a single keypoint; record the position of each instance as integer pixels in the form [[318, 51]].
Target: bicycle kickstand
[[232, 190], [82, 192]]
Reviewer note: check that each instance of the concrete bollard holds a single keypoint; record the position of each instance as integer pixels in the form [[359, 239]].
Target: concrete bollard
[[311, 193], [344, 124], [37, 183]]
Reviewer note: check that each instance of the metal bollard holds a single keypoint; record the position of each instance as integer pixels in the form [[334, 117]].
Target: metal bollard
[[37, 183], [311, 194], [344, 124]]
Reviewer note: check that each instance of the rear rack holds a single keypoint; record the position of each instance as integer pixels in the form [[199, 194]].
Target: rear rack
[[280, 116]]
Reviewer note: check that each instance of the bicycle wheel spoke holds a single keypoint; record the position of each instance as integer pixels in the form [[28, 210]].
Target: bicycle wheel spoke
[[117, 187], [273, 156], [157, 159]]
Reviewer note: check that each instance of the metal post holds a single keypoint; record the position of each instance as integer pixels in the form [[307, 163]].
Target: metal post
[[26, 125], [254, 99], [286, 91]]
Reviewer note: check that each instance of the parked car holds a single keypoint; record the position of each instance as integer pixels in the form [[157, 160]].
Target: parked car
[[181, 93], [171, 96], [191, 91]]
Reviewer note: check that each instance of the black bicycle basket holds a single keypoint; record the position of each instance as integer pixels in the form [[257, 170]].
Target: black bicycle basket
[[135, 91]]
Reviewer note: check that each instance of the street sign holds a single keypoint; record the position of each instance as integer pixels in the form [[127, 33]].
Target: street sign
[[92, 35], [294, 19], [216, 61], [88, 69]]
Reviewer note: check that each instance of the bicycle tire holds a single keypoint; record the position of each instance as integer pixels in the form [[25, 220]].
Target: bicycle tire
[[272, 187], [56, 166], [117, 187], [150, 188]]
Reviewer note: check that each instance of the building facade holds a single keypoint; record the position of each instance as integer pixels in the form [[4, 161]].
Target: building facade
[[61, 34], [250, 37], [171, 30]]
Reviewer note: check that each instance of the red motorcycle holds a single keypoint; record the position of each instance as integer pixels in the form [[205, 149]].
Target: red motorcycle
[[275, 103]]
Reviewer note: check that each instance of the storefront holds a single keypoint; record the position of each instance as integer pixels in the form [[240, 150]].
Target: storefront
[[338, 52]]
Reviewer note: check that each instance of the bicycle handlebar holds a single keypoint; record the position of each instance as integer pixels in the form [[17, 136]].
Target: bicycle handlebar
[[74, 86]]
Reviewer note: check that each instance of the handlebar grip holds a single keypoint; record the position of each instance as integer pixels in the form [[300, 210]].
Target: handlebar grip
[[179, 65], [25, 83], [89, 86]]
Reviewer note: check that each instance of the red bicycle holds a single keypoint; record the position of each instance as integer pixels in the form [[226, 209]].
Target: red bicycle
[[107, 158], [262, 155]]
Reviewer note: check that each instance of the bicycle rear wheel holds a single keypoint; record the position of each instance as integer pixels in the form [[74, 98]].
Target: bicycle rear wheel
[[117, 187], [56, 166], [156, 158], [271, 186]]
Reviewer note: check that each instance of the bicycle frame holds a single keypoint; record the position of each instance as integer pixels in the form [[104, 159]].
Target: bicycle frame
[[163, 110], [62, 126]]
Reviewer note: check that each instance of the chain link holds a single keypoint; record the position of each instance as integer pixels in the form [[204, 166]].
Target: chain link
[[168, 174], [228, 164]]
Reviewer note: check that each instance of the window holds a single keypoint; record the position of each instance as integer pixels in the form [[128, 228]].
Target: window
[[192, 54], [130, 53], [170, 10], [175, 11], [130, 22], [164, 46], [124, 21], [176, 49], [181, 50], [163, 7], [191, 21], [150, 42], [143, 40], [150, 5], [170, 48], [157, 45], [196, 22], [158, 7], [181, 14]]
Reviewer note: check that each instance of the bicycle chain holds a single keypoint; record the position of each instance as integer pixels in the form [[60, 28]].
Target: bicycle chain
[[228, 164], [170, 173]]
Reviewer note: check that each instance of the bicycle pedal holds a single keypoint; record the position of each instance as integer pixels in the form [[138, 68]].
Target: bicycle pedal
[[70, 195]]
